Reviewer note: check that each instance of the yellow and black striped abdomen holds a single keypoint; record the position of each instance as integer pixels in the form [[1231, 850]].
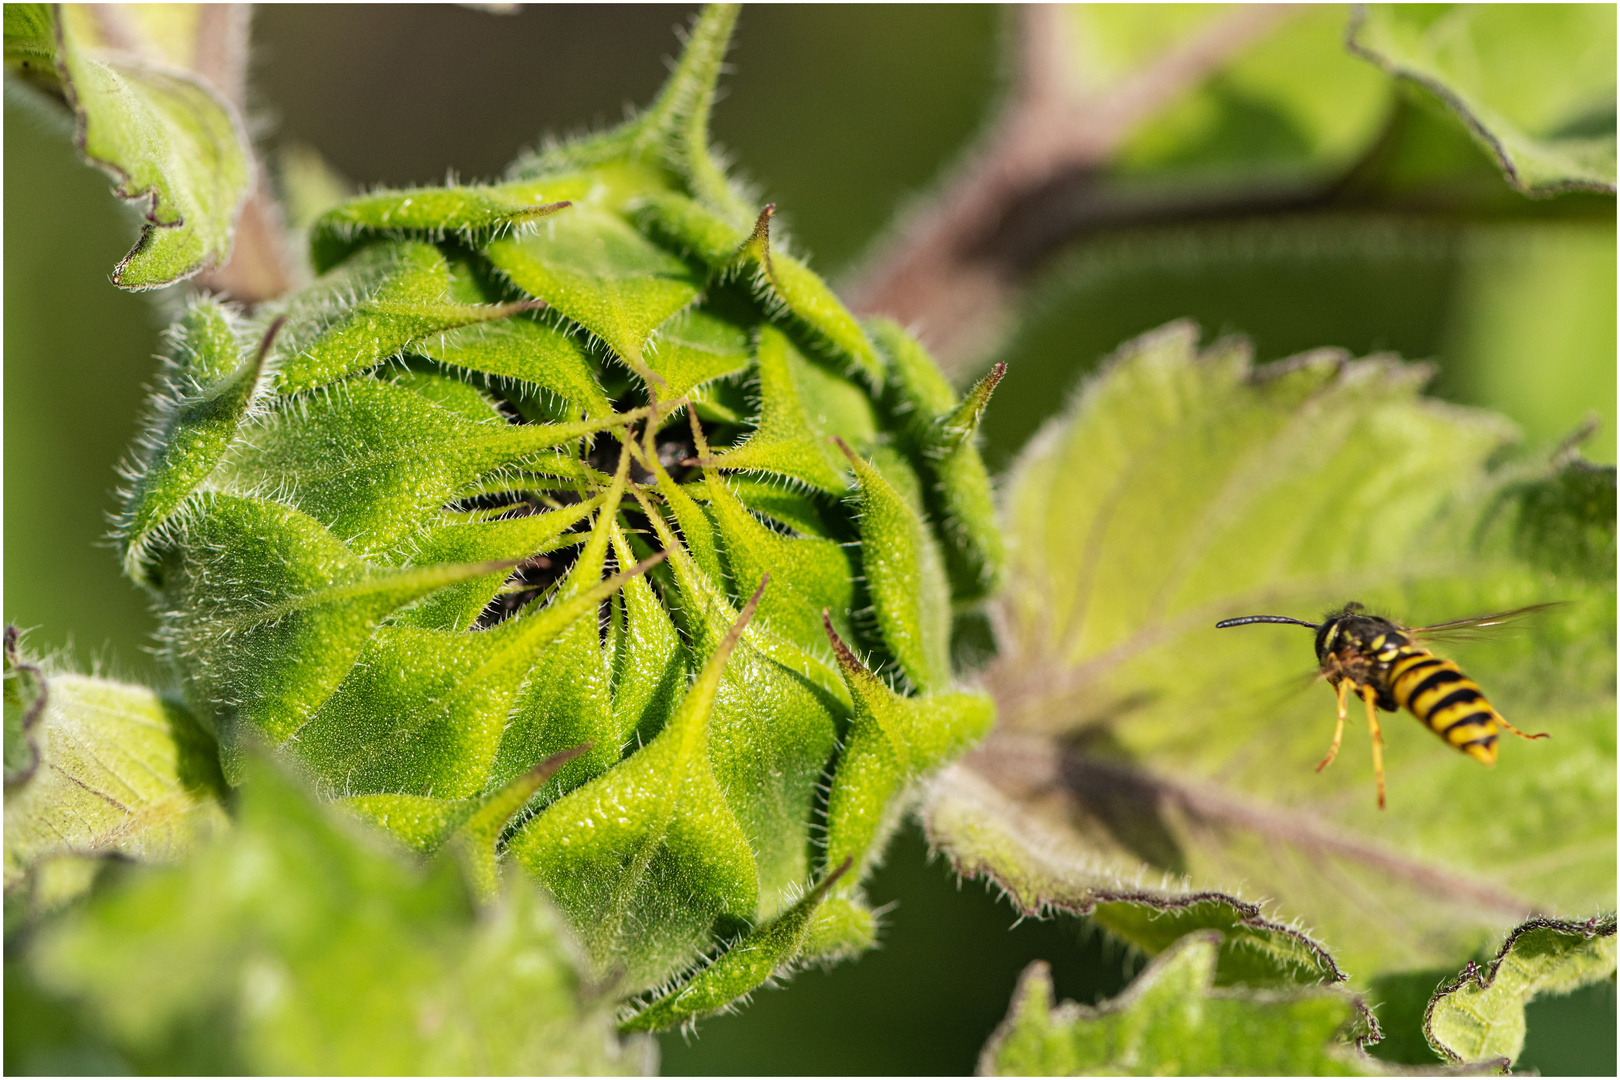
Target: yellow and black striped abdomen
[[1439, 694]]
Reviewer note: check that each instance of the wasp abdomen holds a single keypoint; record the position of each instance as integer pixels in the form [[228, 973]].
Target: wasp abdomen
[[1439, 694]]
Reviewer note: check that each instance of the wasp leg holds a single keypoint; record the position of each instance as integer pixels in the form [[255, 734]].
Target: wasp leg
[[1516, 731], [1371, 698], [1338, 730]]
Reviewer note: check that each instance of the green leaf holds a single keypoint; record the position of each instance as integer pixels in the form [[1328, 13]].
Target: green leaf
[[1290, 105], [567, 702], [1042, 870], [117, 769], [478, 839], [668, 143], [893, 741], [438, 212], [697, 530], [520, 348], [269, 612], [772, 733], [507, 540], [922, 394], [772, 730], [24, 709], [649, 667], [784, 442], [1480, 1016], [905, 572], [208, 387], [1536, 85], [940, 432], [433, 713], [170, 144], [587, 263], [471, 826], [30, 40], [842, 929], [643, 858], [422, 823], [835, 405], [962, 502], [1565, 521], [1172, 1021], [746, 965], [808, 574], [808, 513], [380, 301], [804, 295], [780, 280], [424, 712], [168, 33], [688, 227], [1137, 745], [375, 462], [296, 946], [466, 401], [678, 122], [1255, 951], [694, 348]]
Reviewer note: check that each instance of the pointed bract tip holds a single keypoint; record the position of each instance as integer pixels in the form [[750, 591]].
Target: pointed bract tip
[[546, 769], [699, 440], [646, 564], [689, 92], [843, 868], [758, 244], [735, 633], [753, 601], [269, 339], [762, 224], [846, 656], [821, 888], [539, 210], [961, 422]]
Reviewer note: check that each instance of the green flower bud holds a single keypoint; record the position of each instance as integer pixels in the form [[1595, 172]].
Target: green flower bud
[[572, 524]]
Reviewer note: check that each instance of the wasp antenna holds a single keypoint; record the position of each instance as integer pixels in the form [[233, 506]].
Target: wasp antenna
[[1245, 620]]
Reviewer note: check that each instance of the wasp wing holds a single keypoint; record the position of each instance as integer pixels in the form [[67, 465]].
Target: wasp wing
[[1479, 627], [1276, 694]]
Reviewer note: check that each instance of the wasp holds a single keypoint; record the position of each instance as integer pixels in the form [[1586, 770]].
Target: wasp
[[1388, 666]]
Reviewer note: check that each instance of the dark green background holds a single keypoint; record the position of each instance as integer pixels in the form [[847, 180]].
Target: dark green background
[[839, 114]]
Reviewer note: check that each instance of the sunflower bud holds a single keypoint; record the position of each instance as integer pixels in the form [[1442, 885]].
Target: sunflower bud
[[572, 523]]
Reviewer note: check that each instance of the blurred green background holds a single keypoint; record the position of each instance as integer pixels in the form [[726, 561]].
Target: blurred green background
[[839, 114]]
